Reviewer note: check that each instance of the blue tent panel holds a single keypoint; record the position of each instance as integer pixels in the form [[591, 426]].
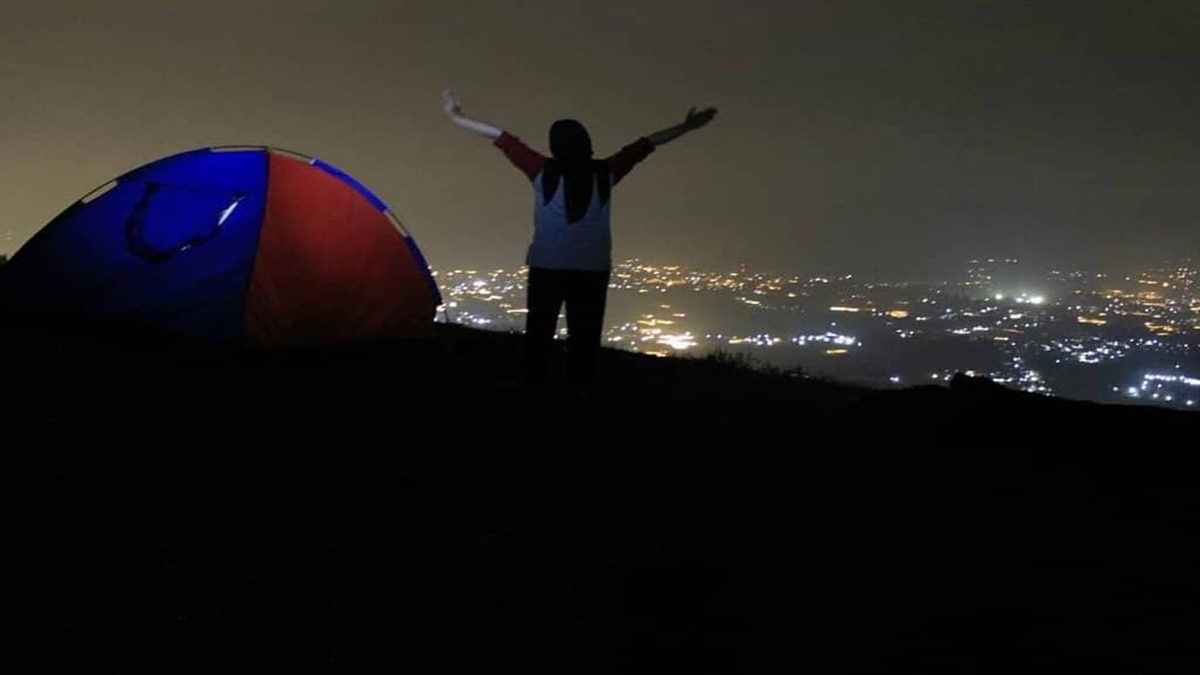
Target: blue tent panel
[[172, 244]]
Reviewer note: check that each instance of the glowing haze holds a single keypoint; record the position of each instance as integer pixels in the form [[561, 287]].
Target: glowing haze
[[892, 137]]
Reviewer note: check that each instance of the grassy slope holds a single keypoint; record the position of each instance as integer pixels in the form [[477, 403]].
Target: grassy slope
[[406, 505]]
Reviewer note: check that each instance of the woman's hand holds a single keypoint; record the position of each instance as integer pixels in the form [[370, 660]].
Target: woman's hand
[[696, 119], [453, 110], [450, 104]]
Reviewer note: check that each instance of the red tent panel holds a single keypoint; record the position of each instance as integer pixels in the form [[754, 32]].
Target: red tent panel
[[330, 266]]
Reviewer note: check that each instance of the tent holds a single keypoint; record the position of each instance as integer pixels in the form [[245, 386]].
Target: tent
[[234, 244]]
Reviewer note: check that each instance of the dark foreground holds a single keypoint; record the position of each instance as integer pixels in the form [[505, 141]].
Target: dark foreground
[[407, 509]]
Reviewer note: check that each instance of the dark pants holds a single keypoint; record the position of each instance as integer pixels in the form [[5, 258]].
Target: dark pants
[[584, 293]]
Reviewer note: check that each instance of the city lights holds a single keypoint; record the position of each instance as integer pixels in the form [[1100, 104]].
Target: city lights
[[1080, 325]]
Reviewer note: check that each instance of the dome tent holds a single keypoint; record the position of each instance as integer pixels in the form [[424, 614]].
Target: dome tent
[[249, 245]]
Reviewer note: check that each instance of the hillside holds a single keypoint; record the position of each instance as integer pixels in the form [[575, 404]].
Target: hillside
[[408, 508]]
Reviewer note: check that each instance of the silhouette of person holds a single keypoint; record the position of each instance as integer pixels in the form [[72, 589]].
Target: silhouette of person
[[569, 259]]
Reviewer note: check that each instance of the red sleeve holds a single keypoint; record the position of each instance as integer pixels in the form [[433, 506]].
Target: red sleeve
[[627, 157], [525, 158]]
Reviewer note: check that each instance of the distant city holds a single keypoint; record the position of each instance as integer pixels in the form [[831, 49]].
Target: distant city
[[1102, 337]]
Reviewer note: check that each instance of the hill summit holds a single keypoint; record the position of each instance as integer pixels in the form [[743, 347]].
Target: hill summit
[[411, 505]]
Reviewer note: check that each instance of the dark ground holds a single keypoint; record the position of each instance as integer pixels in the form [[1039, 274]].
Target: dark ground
[[403, 508]]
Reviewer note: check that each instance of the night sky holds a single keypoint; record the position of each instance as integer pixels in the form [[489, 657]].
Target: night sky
[[888, 137]]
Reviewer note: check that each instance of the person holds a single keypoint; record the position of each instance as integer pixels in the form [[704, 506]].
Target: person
[[569, 258]]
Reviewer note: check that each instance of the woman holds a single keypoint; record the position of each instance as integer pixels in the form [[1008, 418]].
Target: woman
[[570, 255]]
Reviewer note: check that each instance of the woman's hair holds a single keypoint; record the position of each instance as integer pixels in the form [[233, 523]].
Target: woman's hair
[[571, 160]]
